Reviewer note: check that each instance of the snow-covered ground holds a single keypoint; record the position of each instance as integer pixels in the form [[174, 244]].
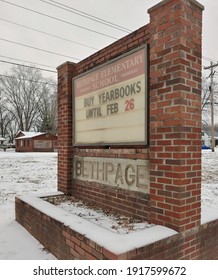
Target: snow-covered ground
[[24, 173], [20, 174], [210, 178]]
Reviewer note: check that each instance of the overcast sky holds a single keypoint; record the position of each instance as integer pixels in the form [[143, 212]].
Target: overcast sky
[[85, 36]]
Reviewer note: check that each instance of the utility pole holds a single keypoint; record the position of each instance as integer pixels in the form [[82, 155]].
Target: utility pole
[[211, 88]]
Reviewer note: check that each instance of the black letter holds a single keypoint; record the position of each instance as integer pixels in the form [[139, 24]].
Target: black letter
[[138, 85]]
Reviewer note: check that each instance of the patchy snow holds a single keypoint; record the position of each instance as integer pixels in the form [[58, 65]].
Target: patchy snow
[[109, 220], [35, 173]]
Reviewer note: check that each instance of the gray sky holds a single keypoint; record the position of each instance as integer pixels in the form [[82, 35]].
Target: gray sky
[[130, 14]]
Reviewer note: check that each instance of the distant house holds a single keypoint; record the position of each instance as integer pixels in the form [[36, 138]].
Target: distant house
[[35, 142], [205, 139], [2, 140], [2, 145], [215, 138]]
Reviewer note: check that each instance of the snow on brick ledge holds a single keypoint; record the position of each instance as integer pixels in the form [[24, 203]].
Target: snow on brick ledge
[[114, 242], [69, 236]]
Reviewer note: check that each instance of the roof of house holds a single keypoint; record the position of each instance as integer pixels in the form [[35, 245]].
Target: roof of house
[[29, 134]]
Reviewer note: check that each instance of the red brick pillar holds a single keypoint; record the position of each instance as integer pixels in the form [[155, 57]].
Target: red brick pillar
[[175, 113], [65, 75]]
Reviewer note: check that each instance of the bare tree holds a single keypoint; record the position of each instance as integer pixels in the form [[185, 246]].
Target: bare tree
[[5, 117], [27, 95], [47, 120], [12, 130], [206, 102]]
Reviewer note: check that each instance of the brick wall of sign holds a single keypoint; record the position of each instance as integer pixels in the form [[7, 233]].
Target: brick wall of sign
[[175, 114]]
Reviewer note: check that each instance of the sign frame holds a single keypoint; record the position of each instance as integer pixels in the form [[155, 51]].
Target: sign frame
[[144, 142]]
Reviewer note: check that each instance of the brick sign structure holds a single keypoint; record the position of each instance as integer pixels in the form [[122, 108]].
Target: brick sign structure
[[132, 149], [172, 155], [174, 148]]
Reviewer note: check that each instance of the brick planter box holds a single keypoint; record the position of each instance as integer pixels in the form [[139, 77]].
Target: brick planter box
[[68, 236]]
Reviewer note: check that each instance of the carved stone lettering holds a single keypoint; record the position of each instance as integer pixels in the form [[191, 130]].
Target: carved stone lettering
[[123, 173]]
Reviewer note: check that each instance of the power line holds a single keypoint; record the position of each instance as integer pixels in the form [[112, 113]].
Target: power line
[[88, 16], [58, 19], [7, 57], [209, 59], [48, 34], [32, 81], [18, 64], [38, 49]]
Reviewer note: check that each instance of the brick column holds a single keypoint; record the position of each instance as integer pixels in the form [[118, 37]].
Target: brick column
[[65, 75], [175, 113]]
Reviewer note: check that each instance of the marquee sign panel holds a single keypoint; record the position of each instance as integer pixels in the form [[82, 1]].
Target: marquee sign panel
[[110, 102]]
